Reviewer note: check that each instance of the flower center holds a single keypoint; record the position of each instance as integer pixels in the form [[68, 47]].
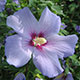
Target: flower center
[[39, 41]]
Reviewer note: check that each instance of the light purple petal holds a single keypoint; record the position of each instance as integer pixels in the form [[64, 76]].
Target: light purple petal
[[38, 79], [47, 63], [2, 8], [69, 76], [2, 5], [20, 76], [78, 29], [2, 2], [63, 46], [49, 22], [23, 22], [16, 1], [17, 51], [63, 26]]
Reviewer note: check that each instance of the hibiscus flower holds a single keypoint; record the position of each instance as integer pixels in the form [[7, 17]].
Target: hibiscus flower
[[39, 39], [20, 76]]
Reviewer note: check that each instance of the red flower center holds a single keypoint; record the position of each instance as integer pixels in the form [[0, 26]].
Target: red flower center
[[37, 40]]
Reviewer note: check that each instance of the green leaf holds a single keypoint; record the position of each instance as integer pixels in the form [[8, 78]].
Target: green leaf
[[57, 9]]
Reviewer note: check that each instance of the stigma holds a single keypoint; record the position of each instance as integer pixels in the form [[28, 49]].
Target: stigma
[[39, 41]]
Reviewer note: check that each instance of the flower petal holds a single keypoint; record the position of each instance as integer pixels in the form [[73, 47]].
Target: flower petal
[[2, 5], [63, 46], [1, 8], [16, 1], [20, 76], [69, 76], [48, 64], [23, 22], [49, 22], [17, 54]]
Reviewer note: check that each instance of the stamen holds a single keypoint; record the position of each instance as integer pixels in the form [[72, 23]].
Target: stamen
[[31, 43], [33, 35], [41, 35], [39, 41]]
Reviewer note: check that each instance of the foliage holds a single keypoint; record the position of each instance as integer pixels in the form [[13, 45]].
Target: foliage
[[68, 10]]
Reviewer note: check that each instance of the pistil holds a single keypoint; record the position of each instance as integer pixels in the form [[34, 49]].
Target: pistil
[[39, 41]]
